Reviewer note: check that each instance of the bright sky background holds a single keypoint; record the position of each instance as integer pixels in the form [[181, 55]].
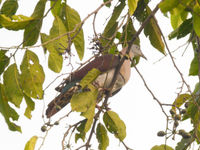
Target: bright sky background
[[134, 104]]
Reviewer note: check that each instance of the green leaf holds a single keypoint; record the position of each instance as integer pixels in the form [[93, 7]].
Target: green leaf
[[181, 99], [184, 144], [56, 31], [141, 12], [82, 101], [4, 61], [30, 145], [90, 104], [56, 7], [90, 77], [89, 115], [128, 32], [102, 137], [111, 28], [194, 66], [132, 5], [152, 31], [32, 30], [12, 85], [32, 75], [55, 59], [7, 111], [44, 38], [55, 46], [39, 9], [168, 5], [178, 15], [9, 7], [162, 147], [80, 136], [114, 124], [196, 89], [196, 19], [111, 25], [173, 34], [81, 130], [30, 106], [192, 110], [108, 5], [73, 21], [55, 62], [185, 28], [15, 22], [89, 122], [198, 1]]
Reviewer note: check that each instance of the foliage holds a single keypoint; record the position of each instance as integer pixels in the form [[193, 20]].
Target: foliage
[[23, 79], [30, 145]]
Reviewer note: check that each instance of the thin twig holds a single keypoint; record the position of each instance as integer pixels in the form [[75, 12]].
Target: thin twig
[[187, 44], [93, 128], [173, 61], [67, 132], [127, 148], [152, 94], [44, 138]]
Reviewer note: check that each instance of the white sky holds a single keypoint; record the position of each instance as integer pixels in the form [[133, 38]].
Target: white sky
[[134, 104]]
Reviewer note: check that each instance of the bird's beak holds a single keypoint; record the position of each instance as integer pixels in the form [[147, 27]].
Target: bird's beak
[[143, 56]]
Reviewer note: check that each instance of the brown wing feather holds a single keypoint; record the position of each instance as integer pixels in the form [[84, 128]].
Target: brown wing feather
[[103, 63]]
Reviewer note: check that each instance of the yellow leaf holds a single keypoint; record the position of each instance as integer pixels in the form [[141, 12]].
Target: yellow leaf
[[82, 101], [180, 100], [30, 145], [8, 112], [12, 85], [196, 19], [90, 77], [132, 5], [152, 31], [73, 21], [115, 125], [102, 137], [168, 5], [16, 22], [32, 75]]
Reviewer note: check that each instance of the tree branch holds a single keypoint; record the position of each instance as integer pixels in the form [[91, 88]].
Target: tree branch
[[198, 55], [127, 52]]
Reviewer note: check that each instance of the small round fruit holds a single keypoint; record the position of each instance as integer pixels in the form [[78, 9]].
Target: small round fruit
[[186, 104], [56, 123], [172, 111], [161, 133], [181, 132], [186, 135], [43, 128], [183, 111], [177, 117], [176, 123]]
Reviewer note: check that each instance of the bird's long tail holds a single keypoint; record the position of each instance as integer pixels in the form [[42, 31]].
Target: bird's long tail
[[57, 104]]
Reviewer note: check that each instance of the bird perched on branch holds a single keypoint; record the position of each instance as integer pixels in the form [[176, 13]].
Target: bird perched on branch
[[106, 64]]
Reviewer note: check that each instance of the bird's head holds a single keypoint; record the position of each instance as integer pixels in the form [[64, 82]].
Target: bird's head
[[136, 51]]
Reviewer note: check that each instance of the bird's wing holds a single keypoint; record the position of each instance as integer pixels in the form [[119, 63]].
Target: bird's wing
[[102, 63]]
